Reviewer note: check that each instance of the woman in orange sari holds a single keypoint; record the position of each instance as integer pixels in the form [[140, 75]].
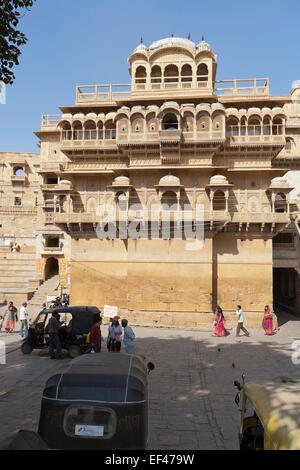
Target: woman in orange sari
[[219, 328], [267, 322]]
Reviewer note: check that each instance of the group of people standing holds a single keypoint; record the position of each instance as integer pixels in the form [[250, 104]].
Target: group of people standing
[[219, 322], [10, 317], [114, 337]]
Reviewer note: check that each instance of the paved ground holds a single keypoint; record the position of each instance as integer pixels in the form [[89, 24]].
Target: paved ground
[[191, 389]]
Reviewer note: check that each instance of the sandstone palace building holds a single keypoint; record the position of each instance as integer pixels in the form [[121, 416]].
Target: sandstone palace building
[[176, 135]]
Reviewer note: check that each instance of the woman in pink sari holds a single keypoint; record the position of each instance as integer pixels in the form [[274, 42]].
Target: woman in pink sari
[[219, 328], [267, 322]]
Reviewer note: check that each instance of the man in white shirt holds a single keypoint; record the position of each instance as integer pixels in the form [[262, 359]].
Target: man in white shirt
[[240, 325], [23, 320]]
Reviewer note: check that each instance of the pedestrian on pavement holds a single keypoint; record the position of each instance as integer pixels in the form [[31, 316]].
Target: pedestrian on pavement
[[128, 338], [54, 342], [23, 320], [10, 317], [219, 328], [240, 325], [267, 322], [95, 336], [114, 338]]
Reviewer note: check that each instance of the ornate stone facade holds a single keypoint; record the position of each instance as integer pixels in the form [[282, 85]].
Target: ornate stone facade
[[175, 136]]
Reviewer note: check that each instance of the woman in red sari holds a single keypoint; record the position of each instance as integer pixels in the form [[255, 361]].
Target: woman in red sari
[[267, 322], [219, 328]]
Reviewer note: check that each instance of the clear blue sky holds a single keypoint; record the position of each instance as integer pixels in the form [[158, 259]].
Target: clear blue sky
[[88, 41]]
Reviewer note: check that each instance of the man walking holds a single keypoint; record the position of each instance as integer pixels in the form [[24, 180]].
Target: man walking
[[129, 337], [240, 325], [23, 320], [54, 341]]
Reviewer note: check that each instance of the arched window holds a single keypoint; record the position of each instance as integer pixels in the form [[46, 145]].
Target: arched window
[[186, 73], [90, 130], [171, 74], [277, 127], [202, 73], [254, 126], [280, 203], [156, 74], [140, 75], [169, 201], [267, 125], [219, 201], [66, 130], [77, 130], [19, 172], [170, 122], [232, 126], [110, 130], [122, 201]]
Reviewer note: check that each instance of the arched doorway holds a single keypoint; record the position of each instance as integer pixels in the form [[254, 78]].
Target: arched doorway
[[51, 268]]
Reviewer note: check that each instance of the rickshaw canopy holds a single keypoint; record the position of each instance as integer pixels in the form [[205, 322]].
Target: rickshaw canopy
[[277, 404], [82, 317], [106, 379]]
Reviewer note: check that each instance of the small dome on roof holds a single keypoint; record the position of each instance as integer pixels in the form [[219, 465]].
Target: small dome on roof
[[169, 180], [66, 182], [122, 181], [218, 180], [141, 48], [203, 46], [171, 41], [279, 181]]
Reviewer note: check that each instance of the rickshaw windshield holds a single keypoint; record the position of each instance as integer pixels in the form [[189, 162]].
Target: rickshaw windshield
[[277, 404], [41, 318]]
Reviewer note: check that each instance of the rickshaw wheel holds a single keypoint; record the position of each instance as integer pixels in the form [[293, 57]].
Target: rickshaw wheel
[[74, 351], [26, 348]]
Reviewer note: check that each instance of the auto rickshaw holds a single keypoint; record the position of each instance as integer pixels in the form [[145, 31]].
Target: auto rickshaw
[[76, 341], [100, 403], [275, 420]]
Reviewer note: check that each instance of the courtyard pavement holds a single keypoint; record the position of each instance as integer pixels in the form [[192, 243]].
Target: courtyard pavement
[[191, 392]]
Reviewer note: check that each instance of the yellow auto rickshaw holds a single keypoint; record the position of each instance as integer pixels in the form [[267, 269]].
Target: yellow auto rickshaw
[[274, 420]]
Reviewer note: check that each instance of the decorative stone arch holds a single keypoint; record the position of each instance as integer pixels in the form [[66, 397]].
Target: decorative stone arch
[[232, 125], [254, 124], [280, 202], [188, 121], [170, 121], [219, 200], [278, 123], [202, 73], [91, 204], [218, 120], [65, 127], [77, 128], [171, 74], [203, 121], [90, 129], [123, 123], [186, 73], [156, 74], [140, 75], [151, 122], [137, 122], [51, 267]]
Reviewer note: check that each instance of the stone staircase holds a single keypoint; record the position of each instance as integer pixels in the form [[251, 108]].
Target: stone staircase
[[35, 304], [17, 274]]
